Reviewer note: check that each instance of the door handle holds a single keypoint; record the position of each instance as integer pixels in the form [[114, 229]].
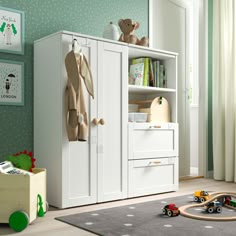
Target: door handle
[[101, 121], [95, 121]]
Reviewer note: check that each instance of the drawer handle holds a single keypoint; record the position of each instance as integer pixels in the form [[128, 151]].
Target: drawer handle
[[155, 126], [154, 163]]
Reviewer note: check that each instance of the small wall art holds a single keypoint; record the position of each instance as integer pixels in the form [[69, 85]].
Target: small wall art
[[11, 31], [11, 83]]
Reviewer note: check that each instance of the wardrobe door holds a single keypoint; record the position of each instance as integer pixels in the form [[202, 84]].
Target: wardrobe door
[[79, 158], [112, 129]]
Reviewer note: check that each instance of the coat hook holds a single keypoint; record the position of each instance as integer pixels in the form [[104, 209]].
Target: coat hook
[[74, 42]]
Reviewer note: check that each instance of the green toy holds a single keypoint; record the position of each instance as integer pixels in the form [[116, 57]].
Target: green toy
[[22, 160], [19, 220], [40, 202]]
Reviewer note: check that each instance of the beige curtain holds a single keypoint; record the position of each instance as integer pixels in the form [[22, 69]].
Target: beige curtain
[[224, 89]]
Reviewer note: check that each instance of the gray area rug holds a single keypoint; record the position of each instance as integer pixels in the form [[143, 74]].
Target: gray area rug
[[146, 219]]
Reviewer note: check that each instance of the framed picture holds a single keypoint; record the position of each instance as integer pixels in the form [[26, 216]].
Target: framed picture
[[11, 31], [11, 83]]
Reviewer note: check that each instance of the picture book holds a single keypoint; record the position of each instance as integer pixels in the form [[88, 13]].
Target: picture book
[[145, 61], [136, 74]]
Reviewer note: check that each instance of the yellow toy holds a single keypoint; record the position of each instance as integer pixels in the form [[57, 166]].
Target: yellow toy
[[201, 196]]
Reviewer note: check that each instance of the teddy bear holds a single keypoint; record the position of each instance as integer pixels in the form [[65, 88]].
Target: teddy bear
[[128, 26]]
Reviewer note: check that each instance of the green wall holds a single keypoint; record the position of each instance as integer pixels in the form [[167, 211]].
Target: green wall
[[210, 28], [43, 17]]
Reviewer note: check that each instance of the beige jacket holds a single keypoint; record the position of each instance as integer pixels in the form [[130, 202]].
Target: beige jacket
[[76, 115]]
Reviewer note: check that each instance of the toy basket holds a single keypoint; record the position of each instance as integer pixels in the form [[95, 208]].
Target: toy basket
[[20, 196], [157, 109]]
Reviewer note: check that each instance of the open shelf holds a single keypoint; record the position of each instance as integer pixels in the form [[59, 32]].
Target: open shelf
[[146, 89]]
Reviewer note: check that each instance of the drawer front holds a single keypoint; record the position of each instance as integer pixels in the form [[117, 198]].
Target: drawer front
[[151, 141], [152, 176]]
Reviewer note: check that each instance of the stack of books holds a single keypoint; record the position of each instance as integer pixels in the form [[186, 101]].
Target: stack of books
[[145, 71]]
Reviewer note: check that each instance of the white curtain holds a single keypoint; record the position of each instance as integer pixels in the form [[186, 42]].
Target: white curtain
[[224, 89]]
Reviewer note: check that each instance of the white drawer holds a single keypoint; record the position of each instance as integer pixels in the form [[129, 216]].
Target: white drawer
[[151, 176], [147, 140]]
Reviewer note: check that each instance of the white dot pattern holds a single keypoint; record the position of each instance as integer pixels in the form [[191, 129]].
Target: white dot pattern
[[208, 227], [133, 216], [128, 224], [89, 223], [197, 209], [168, 226], [95, 214], [130, 215]]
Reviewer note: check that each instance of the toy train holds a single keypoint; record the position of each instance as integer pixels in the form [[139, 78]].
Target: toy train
[[229, 201]]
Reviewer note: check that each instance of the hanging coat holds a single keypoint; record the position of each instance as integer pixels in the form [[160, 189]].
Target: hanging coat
[[78, 72]]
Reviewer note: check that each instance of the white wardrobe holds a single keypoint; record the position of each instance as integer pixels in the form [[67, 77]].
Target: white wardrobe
[[101, 169]]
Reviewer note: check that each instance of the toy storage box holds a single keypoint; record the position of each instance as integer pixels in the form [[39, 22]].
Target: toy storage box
[[20, 193], [157, 109]]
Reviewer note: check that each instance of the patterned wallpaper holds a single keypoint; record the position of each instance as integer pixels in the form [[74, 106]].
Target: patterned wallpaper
[[43, 17]]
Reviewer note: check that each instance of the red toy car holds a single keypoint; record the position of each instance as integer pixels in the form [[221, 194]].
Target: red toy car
[[171, 210]]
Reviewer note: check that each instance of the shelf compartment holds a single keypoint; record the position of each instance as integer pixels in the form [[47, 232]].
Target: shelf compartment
[[148, 90]]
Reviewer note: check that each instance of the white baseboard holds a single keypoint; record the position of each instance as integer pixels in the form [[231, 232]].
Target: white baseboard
[[193, 171]]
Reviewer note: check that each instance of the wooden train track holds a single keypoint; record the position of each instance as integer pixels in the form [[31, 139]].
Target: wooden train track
[[216, 195]]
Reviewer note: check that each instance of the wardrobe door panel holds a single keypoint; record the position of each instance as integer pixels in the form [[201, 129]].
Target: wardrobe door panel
[[79, 159], [112, 161]]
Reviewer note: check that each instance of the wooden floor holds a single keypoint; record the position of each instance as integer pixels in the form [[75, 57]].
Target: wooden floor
[[48, 226]]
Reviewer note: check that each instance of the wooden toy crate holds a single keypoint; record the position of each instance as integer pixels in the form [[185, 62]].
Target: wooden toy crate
[[157, 109], [20, 193]]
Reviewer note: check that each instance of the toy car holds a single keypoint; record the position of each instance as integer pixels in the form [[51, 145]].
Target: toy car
[[213, 206], [201, 196], [171, 210]]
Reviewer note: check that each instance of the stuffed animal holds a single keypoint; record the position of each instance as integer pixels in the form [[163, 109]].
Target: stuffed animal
[[22, 160], [128, 27]]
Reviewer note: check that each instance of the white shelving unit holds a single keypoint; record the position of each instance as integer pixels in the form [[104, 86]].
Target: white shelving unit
[[120, 159], [153, 147]]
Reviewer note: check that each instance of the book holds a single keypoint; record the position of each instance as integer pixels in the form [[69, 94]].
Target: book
[[145, 61], [151, 74], [161, 76], [136, 74], [164, 78], [156, 65]]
